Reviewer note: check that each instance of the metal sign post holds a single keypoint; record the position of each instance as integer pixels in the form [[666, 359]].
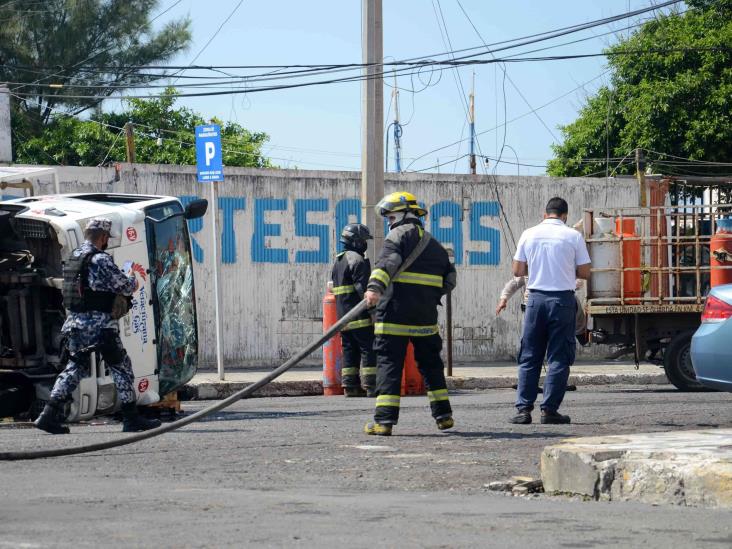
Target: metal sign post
[[209, 168]]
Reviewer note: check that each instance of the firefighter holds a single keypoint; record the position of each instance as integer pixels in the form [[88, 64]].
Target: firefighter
[[350, 276], [92, 286], [406, 310]]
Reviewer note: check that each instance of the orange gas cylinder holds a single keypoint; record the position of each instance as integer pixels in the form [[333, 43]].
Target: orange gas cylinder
[[720, 248], [332, 349], [412, 382], [631, 250]]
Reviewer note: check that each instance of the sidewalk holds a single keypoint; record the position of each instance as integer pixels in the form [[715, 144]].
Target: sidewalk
[[306, 381], [692, 468]]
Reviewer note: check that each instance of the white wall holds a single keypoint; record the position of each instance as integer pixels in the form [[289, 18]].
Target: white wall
[[272, 308]]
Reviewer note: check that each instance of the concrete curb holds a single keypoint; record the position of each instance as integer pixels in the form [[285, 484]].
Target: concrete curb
[[689, 468], [215, 390]]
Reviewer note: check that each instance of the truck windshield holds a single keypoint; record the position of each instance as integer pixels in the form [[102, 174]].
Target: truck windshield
[[170, 263]]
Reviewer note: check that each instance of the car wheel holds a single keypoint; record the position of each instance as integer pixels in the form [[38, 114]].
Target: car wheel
[[677, 364]]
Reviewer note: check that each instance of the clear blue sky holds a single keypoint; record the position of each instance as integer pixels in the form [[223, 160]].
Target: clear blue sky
[[319, 127]]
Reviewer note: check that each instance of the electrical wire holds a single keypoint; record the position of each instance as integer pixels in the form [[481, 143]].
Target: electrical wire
[[503, 68], [550, 102], [216, 33], [420, 61], [191, 144]]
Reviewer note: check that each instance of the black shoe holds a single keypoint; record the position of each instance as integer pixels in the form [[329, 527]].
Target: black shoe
[[133, 422], [554, 417], [371, 393], [51, 418], [522, 417], [354, 392]]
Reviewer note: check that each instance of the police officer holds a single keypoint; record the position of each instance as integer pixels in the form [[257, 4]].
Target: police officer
[[553, 256], [407, 311], [92, 284], [350, 276]]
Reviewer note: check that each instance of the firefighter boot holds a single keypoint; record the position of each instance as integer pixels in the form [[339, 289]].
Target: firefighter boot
[[379, 429], [354, 392], [133, 422], [445, 422], [52, 417]]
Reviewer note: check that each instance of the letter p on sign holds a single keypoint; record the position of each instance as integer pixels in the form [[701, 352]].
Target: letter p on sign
[[209, 164], [210, 152]]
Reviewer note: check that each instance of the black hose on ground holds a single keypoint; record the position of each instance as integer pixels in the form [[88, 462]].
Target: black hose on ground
[[244, 393]]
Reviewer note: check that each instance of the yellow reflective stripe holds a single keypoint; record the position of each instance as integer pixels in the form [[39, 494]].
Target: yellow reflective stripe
[[419, 278], [339, 290], [438, 395], [386, 328], [368, 370], [381, 275], [349, 371], [388, 400], [358, 324]]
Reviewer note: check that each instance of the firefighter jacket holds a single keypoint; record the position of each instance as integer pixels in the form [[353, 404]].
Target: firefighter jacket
[[409, 305], [350, 276]]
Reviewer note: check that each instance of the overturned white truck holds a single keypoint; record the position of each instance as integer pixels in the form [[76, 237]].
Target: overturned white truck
[[37, 234]]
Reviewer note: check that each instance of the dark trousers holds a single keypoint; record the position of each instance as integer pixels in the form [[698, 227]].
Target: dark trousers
[[549, 326], [358, 350], [390, 353]]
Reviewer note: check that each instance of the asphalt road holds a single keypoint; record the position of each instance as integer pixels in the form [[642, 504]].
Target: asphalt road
[[298, 472]]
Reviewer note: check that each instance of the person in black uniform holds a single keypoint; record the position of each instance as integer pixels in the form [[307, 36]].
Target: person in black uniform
[[406, 310], [350, 276]]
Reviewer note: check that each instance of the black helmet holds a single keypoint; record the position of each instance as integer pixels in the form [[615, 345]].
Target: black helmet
[[354, 237]]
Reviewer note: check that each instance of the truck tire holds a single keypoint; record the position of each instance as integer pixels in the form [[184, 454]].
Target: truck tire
[[677, 363]]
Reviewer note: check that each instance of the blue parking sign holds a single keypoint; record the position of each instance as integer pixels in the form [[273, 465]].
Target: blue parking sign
[[209, 164]]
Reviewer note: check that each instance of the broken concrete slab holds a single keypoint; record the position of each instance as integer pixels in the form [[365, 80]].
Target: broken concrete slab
[[692, 468]]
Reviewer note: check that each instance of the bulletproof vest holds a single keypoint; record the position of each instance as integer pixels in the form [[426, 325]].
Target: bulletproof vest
[[78, 297]]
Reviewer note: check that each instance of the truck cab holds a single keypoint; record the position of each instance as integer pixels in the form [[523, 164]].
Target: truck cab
[[150, 236]]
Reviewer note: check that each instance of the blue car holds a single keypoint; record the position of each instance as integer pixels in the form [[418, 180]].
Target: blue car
[[711, 346]]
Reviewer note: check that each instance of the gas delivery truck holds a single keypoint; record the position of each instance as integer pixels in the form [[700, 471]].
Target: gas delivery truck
[[150, 237]]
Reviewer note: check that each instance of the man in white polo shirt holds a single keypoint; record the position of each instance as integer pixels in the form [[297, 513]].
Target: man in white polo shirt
[[553, 256]]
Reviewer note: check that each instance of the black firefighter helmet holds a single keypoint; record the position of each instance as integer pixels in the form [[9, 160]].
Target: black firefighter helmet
[[354, 237]]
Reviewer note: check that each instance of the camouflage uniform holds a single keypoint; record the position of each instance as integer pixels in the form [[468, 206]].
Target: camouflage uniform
[[96, 330]]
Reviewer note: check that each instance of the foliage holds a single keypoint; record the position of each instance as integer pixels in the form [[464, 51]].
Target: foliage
[[163, 135], [81, 47], [675, 98]]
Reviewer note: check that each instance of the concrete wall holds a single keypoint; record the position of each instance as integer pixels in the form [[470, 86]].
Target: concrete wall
[[279, 234]]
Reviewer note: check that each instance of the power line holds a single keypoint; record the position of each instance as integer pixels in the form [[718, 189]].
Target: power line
[[528, 39], [503, 68], [153, 135], [215, 34], [552, 101], [446, 64]]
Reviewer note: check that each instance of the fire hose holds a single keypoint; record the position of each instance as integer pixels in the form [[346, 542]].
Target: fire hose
[[241, 394]]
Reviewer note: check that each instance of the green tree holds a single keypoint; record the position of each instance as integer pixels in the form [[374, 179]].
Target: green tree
[[674, 99], [163, 133], [78, 47]]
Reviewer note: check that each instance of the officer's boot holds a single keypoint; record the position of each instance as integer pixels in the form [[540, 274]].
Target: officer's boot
[[52, 417], [133, 422]]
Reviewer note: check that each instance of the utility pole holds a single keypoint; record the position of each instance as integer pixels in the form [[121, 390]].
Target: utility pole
[[397, 129], [6, 142], [471, 120], [372, 124], [640, 172], [130, 142]]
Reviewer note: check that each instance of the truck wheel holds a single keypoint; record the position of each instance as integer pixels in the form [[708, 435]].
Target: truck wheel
[[677, 364]]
